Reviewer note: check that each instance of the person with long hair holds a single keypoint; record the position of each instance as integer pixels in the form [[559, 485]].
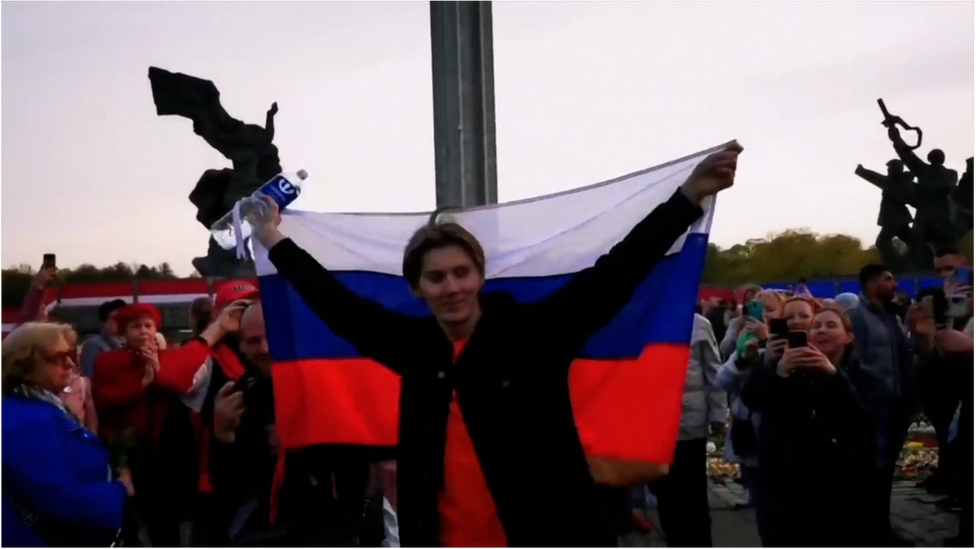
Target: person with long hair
[[489, 453], [816, 441], [745, 327]]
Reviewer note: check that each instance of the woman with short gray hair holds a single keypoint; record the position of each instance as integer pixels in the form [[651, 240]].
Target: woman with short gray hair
[[57, 485]]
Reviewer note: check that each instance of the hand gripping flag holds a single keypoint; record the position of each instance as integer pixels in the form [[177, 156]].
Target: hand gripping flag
[[626, 386]]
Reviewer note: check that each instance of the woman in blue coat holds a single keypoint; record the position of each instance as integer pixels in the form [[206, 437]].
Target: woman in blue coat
[[57, 482]]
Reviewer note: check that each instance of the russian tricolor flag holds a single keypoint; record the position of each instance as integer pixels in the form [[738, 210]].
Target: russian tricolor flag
[[627, 384]]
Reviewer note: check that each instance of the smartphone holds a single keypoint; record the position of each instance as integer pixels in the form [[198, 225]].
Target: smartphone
[[245, 383], [796, 340], [754, 308], [963, 277], [49, 261], [958, 306], [936, 307], [778, 329]]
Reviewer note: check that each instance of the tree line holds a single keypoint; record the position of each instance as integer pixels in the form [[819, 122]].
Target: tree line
[[785, 257], [794, 254], [17, 280]]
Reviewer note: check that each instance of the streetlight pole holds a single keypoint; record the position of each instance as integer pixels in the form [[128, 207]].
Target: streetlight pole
[[464, 103]]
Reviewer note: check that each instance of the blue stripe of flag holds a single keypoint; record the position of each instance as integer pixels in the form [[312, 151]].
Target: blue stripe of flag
[[660, 311]]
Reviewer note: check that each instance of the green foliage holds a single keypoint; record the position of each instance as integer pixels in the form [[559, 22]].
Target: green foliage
[[16, 280], [787, 256]]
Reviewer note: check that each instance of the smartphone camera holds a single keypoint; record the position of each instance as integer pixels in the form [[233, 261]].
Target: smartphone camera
[[935, 305], [778, 328], [957, 306], [795, 340], [754, 308]]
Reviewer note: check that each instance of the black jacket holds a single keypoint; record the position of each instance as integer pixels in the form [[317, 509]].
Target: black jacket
[[816, 456], [511, 381]]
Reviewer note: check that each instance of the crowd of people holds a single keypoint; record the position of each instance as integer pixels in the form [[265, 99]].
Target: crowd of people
[[127, 439], [830, 387]]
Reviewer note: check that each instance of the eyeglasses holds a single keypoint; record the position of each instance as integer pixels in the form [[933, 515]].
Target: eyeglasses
[[67, 357]]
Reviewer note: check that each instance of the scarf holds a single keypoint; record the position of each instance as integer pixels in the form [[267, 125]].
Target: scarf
[[34, 392]]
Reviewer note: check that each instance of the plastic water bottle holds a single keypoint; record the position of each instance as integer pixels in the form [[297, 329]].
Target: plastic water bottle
[[283, 188]]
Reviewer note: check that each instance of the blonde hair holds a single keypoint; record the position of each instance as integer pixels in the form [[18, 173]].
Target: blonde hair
[[436, 235], [778, 298], [22, 347]]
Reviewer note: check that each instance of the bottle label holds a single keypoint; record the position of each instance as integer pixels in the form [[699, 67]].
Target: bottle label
[[282, 191]]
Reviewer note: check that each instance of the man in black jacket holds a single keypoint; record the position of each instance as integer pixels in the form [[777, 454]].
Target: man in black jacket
[[485, 409], [306, 500]]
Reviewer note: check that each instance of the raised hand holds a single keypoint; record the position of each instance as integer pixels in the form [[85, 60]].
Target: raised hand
[[775, 349], [266, 224], [806, 358], [714, 174], [757, 328], [815, 360], [150, 357], [43, 277], [230, 317]]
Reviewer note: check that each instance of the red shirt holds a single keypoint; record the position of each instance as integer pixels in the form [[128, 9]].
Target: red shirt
[[468, 514], [124, 403]]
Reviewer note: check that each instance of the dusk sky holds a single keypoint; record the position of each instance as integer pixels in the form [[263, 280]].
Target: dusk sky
[[584, 92]]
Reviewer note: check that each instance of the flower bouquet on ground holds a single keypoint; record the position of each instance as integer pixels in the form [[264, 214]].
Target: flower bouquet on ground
[[918, 460]]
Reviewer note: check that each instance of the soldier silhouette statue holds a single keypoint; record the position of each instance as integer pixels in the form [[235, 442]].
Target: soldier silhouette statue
[[895, 220], [962, 200], [249, 147], [939, 221]]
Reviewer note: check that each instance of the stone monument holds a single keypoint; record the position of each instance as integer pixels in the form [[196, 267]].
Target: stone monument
[[254, 158], [962, 200], [894, 218], [937, 222]]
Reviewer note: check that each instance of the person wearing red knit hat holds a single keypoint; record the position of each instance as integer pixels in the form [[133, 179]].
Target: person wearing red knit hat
[[137, 392]]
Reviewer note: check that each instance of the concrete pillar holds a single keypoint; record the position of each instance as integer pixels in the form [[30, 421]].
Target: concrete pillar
[[464, 103]]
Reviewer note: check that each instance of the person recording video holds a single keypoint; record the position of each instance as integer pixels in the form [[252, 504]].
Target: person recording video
[[266, 497], [815, 421], [946, 357]]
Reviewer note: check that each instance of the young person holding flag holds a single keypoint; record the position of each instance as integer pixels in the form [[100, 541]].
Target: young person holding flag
[[489, 453]]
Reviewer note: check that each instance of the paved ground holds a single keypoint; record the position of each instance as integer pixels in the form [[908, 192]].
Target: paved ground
[[914, 516], [730, 527], [917, 519]]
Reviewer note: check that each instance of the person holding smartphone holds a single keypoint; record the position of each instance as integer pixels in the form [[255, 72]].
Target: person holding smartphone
[[264, 495], [30, 311], [751, 324], [741, 445], [137, 392], [946, 358], [816, 446], [489, 451]]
